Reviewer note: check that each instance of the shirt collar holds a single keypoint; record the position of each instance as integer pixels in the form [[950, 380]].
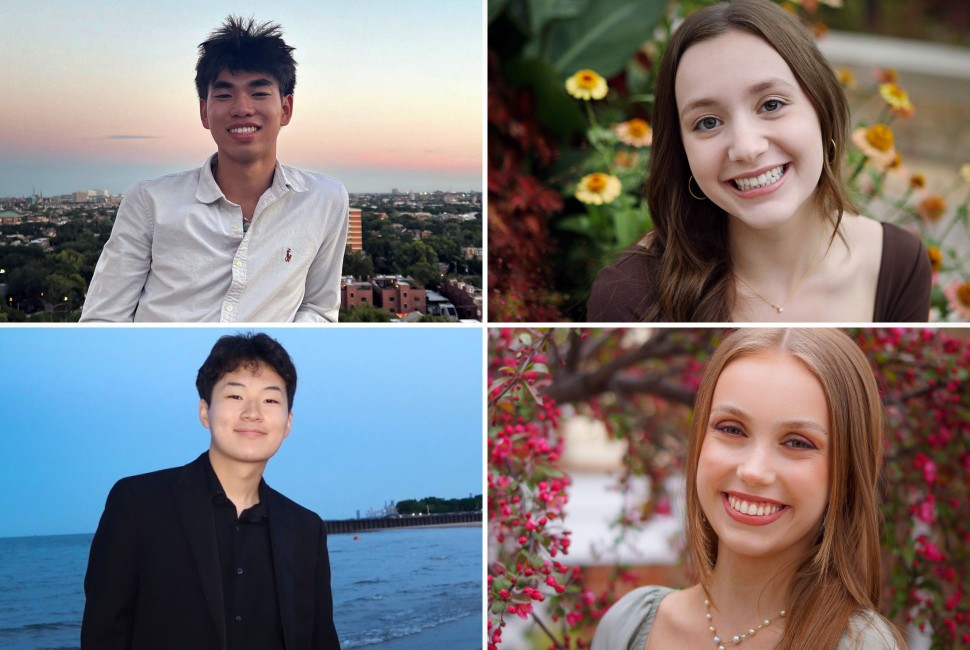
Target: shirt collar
[[218, 494], [209, 191]]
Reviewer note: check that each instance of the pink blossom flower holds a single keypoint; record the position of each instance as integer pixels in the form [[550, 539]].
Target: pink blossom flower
[[926, 510]]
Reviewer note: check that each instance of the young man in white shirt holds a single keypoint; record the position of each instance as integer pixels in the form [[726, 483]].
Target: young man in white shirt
[[243, 238]]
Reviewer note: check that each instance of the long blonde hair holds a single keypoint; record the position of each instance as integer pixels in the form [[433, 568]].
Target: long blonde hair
[[841, 573]]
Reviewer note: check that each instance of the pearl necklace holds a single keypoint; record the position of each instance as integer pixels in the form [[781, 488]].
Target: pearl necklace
[[737, 638]]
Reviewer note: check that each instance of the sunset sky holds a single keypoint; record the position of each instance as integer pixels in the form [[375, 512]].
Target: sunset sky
[[100, 95]]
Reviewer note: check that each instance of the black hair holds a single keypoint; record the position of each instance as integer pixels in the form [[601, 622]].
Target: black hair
[[243, 45], [248, 350]]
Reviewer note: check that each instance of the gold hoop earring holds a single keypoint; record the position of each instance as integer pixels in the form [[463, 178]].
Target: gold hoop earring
[[835, 150], [699, 198]]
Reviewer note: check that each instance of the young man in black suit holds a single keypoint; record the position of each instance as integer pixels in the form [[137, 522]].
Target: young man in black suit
[[207, 556]]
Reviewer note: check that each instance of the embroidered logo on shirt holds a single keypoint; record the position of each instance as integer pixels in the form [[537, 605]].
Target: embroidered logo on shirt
[[289, 255]]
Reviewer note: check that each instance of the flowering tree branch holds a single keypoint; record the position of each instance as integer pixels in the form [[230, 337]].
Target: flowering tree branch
[[570, 383]]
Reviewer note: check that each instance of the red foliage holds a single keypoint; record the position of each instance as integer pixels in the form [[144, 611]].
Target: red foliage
[[519, 205]]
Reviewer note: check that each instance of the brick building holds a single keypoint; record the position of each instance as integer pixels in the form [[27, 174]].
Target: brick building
[[398, 295], [466, 298], [354, 293]]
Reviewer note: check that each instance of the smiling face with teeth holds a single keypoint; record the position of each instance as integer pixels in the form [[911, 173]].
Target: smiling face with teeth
[[245, 112], [751, 135], [763, 470]]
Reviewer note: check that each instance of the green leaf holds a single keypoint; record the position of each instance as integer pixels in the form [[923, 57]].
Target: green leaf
[[554, 108], [578, 223], [542, 12], [535, 394], [909, 552], [629, 226], [495, 7], [603, 38]]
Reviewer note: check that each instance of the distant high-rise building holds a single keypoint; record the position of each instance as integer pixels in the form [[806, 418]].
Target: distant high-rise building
[[355, 234]]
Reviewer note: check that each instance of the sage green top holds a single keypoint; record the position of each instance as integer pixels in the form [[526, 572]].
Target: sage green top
[[627, 625]]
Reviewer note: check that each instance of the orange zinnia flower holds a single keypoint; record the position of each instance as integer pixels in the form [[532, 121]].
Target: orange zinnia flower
[[635, 132], [846, 78], [932, 208], [936, 257], [887, 75], [877, 143], [958, 296]]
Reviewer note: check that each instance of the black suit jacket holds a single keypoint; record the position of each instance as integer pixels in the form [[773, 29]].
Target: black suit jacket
[[153, 574]]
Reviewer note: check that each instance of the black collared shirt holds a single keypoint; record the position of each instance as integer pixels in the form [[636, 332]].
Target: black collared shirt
[[248, 581]]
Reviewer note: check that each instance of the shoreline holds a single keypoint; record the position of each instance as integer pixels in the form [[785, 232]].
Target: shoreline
[[464, 633]]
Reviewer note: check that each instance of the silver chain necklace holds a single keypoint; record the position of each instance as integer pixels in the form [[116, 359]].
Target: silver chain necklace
[[737, 638]]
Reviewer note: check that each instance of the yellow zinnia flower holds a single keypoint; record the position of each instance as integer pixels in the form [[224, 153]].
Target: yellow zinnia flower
[[917, 181], [598, 189], [936, 258], [932, 208], [586, 84], [635, 132], [894, 95], [898, 100]]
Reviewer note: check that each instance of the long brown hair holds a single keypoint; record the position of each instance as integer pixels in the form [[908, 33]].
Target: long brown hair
[[841, 573], [689, 244]]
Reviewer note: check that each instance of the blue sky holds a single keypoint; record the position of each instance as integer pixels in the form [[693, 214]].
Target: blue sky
[[379, 414]]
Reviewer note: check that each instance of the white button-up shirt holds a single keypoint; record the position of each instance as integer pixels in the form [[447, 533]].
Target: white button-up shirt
[[178, 252]]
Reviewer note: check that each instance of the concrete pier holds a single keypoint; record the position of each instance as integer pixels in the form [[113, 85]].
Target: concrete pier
[[344, 526]]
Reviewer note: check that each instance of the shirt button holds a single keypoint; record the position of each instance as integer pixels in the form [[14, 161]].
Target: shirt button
[[238, 529], [239, 619], [235, 228], [238, 263], [229, 308], [239, 571]]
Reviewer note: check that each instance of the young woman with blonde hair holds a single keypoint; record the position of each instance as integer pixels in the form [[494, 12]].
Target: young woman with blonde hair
[[753, 220], [783, 459]]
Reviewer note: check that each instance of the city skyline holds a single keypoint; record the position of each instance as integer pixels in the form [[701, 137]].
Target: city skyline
[[393, 191], [388, 94]]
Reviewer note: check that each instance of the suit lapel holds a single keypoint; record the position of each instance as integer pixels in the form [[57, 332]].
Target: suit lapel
[[283, 528], [195, 511]]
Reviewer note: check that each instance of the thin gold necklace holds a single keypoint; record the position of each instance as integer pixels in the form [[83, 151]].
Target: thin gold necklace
[[737, 638], [780, 308]]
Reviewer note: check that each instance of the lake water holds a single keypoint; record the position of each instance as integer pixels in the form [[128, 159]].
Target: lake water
[[399, 589]]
